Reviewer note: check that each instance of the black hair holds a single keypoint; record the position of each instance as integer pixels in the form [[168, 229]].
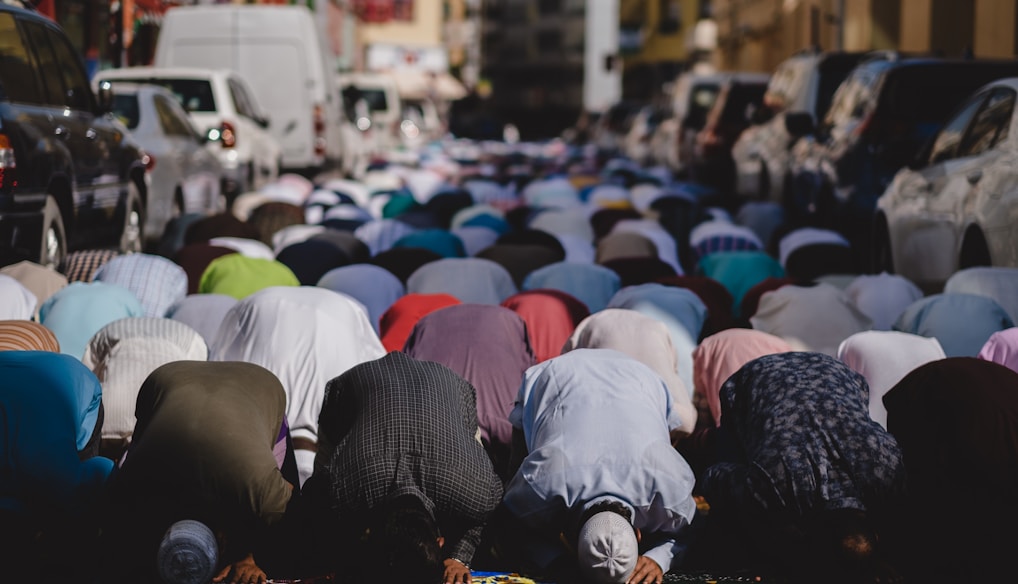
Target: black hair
[[403, 543], [612, 505]]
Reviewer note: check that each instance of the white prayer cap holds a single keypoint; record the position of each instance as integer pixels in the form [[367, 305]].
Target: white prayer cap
[[188, 554], [607, 548]]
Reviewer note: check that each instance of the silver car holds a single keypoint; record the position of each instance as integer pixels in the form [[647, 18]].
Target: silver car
[[956, 205], [186, 177]]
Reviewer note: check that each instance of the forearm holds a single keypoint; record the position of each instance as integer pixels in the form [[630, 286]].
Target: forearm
[[463, 549]]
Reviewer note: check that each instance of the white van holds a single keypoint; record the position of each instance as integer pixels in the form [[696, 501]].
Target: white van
[[381, 94], [279, 50]]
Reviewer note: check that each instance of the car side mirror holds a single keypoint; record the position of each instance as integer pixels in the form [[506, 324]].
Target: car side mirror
[[799, 124], [104, 97]]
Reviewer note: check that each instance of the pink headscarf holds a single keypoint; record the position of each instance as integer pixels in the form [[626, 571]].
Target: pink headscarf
[[720, 355], [1002, 348]]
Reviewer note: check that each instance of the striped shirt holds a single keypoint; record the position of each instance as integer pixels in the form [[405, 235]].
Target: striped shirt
[[25, 335]]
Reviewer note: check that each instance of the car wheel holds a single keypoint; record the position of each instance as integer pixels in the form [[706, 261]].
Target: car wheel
[[974, 251], [882, 259], [132, 233], [54, 238], [764, 184]]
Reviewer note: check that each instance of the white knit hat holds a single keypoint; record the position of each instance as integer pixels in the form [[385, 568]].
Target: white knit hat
[[607, 548], [188, 554]]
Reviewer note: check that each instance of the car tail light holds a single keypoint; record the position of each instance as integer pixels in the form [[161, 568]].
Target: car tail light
[[7, 163], [149, 161], [228, 135], [318, 123]]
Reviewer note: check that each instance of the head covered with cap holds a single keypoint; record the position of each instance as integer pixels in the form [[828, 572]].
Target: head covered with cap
[[607, 547]]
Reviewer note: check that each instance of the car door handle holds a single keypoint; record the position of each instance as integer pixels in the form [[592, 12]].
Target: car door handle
[[974, 176], [61, 132], [91, 134]]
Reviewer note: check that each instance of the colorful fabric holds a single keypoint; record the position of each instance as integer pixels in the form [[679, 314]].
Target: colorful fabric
[[550, 315], [779, 407], [489, 347], [374, 287], [739, 271], [79, 266], [77, 312], [720, 355], [240, 276], [25, 335], [961, 322], [203, 312], [43, 282], [882, 297], [399, 320], [1002, 348], [474, 280], [54, 400]]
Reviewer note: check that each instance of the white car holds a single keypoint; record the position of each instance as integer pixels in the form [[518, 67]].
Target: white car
[[222, 106], [956, 205], [185, 177]]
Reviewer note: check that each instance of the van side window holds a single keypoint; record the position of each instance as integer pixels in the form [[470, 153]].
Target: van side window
[[48, 66], [17, 76], [77, 93]]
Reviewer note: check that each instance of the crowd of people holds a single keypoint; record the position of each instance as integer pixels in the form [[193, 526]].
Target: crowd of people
[[535, 359]]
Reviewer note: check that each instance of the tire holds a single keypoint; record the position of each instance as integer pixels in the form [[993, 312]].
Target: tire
[[53, 245], [132, 234]]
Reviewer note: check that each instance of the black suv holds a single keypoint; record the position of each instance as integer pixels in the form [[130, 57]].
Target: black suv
[[70, 175]]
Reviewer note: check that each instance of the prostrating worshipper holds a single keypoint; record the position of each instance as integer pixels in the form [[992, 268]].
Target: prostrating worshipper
[[592, 284], [51, 482], [997, 282], [122, 355], [1002, 348], [720, 355], [306, 336], [474, 280], [795, 313], [26, 335], [551, 317], [399, 320], [956, 420], [402, 489], [240, 276], [882, 297], [599, 494], [645, 339], [805, 482], [739, 271], [961, 322], [203, 451], [402, 262], [884, 358], [79, 266], [489, 347], [156, 281], [194, 258], [77, 312], [714, 296]]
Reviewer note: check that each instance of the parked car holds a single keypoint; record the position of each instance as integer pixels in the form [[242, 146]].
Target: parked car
[[740, 99], [284, 58], [805, 82], [954, 206], [71, 176], [881, 115], [186, 176], [693, 95], [222, 106]]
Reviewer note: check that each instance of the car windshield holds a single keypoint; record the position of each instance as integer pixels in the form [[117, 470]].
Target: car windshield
[[125, 108], [375, 98], [194, 95]]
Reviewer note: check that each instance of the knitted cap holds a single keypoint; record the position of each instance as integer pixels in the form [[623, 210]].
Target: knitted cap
[[607, 548], [188, 554]]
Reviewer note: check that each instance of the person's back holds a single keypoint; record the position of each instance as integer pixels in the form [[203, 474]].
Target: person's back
[[596, 422]]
